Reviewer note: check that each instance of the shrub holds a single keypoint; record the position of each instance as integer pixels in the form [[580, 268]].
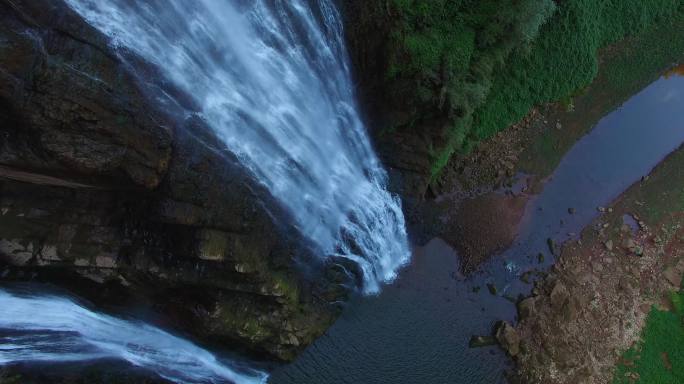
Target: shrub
[[481, 65]]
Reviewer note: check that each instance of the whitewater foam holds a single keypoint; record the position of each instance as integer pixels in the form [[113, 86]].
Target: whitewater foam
[[273, 81], [49, 328]]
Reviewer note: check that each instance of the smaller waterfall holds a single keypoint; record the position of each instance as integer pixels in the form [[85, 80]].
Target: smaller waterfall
[[50, 328]]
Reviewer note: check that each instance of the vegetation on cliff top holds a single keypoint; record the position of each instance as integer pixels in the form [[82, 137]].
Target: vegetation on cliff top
[[482, 65]]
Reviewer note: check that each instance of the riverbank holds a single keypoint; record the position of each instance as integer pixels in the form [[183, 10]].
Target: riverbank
[[439, 77], [477, 200], [593, 305]]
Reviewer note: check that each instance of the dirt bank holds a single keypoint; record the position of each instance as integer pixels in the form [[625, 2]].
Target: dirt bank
[[594, 303], [463, 211]]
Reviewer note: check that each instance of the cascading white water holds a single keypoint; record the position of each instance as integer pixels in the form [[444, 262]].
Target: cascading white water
[[56, 329], [273, 81]]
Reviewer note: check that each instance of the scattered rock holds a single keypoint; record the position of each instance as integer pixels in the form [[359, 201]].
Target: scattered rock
[[527, 308], [629, 244], [672, 276], [496, 214], [492, 288], [559, 295], [609, 245], [552, 245], [572, 211], [508, 338], [638, 250]]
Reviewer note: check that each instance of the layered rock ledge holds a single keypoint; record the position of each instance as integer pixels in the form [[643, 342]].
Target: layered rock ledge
[[116, 196]]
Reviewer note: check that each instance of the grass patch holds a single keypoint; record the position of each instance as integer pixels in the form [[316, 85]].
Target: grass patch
[[470, 68], [564, 59], [658, 357], [626, 68]]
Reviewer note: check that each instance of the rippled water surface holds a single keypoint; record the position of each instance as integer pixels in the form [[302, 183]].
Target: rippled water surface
[[417, 330]]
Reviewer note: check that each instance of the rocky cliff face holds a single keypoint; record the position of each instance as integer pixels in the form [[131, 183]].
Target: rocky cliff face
[[104, 190], [392, 106]]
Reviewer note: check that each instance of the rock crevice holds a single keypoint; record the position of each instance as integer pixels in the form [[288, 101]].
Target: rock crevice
[[106, 192]]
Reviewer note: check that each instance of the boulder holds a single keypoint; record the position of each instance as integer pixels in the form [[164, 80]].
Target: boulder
[[508, 338]]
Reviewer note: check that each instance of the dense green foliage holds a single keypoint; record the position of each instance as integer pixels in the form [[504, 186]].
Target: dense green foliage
[[450, 49], [659, 356], [564, 59], [441, 36], [485, 63], [626, 68]]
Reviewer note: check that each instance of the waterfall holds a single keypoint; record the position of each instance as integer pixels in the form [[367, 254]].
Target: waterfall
[[273, 81], [53, 329]]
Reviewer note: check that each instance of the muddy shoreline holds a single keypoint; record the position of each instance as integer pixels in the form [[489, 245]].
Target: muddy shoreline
[[593, 304], [497, 178]]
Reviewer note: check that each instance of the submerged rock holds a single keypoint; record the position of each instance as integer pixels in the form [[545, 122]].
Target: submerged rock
[[552, 245], [559, 295], [481, 341]]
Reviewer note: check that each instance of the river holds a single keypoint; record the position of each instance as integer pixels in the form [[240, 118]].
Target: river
[[417, 330]]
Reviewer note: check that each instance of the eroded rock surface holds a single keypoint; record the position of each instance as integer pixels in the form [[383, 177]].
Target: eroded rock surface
[[106, 192]]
